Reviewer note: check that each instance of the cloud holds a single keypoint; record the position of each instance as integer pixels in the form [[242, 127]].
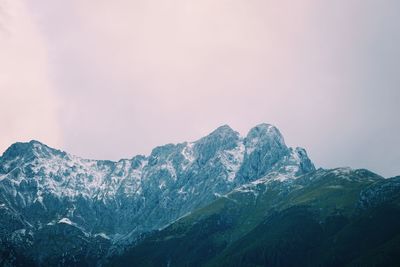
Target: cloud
[[28, 105], [135, 74], [133, 69]]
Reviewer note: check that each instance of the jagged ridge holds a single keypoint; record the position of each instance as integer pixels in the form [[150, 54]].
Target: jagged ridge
[[115, 202]]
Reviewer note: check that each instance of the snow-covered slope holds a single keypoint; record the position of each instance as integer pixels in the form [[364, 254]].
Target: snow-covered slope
[[108, 202]]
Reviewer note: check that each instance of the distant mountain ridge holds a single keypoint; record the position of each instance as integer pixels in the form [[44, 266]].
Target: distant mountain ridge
[[223, 200], [338, 217], [50, 199]]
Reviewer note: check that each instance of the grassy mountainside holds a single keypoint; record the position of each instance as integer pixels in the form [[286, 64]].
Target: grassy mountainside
[[338, 217]]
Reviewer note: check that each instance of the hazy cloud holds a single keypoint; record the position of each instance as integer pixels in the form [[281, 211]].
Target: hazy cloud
[[28, 105], [131, 75]]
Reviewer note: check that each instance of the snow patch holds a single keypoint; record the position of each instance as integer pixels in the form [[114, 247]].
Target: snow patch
[[252, 145], [66, 221], [162, 184], [188, 154], [170, 168], [232, 160], [102, 235], [181, 191], [20, 231]]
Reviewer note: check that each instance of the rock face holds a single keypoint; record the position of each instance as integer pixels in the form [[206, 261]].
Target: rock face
[[56, 208]]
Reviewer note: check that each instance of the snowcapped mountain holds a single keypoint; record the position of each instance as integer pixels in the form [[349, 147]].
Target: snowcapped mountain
[[56, 207]]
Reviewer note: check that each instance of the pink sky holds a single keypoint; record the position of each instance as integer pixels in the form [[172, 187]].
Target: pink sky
[[111, 79]]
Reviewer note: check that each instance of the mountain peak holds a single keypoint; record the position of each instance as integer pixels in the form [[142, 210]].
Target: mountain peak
[[223, 134], [32, 148], [20, 148], [265, 132], [223, 131]]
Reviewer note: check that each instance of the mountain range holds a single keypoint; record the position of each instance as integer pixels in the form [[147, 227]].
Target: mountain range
[[223, 200]]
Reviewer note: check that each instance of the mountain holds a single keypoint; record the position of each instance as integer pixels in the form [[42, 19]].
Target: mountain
[[339, 217], [59, 209], [223, 200]]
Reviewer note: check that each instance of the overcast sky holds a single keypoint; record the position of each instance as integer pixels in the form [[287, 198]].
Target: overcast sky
[[112, 79]]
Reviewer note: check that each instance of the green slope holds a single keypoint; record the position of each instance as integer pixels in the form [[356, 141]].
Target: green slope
[[338, 217]]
